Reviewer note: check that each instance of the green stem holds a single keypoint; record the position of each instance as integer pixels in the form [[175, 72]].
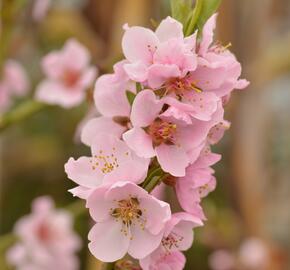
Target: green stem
[[155, 181], [21, 112], [6, 241], [154, 172], [109, 266], [193, 20]]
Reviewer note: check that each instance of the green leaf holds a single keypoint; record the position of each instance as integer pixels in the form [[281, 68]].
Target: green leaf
[[181, 10], [193, 18], [209, 7], [138, 87], [190, 28], [130, 96]]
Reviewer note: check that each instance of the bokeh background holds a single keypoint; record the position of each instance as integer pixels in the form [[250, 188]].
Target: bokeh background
[[253, 194]]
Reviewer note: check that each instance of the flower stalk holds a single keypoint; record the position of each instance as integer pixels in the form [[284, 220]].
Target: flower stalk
[[21, 112]]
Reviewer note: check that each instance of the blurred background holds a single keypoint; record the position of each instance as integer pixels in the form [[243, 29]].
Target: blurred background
[[252, 200]]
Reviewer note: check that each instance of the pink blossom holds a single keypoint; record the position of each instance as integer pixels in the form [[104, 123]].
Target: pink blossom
[[110, 92], [218, 70], [46, 239], [253, 254], [110, 158], [128, 219], [168, 62], [40, 9], [222, 260], [68, 75], [178, 236], [175, 142], [217, 132], [14, 83], [156, 56], [197, 183], [164, 261]]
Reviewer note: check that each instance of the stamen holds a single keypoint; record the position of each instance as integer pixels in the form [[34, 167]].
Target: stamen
[[129, 213]]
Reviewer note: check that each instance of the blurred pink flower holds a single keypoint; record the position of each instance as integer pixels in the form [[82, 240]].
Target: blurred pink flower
[[46, 239], [253, 254], [175, 143], [222, 260], [110, 158], [68, 75], [14, 83], [40, 9], [128, 219]]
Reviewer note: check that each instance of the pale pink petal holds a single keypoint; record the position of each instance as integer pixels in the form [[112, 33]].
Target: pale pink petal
[[157, 214], [57, 94], [207, 34], [137, 71], [139, 44], [140, 142], [110, 96], [143, 242], [190, 42], [83, 172], [175, 52], [108, 244], [207, 78], [124, 190], [241, 84], [52, 65], [172, 159], [99, 125], [145, 108], [204, 104], [16, 78], [75, 55], [217, 132], [87, 78], [222, 260], [138, 172], [158, 74], [169, 28], [40, 9], [80, 192], [98, 206], [207, 159], [192, 136], [16, 255]]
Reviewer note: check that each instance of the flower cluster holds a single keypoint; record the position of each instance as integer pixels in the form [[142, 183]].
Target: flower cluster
[[46, 239], [161, 110], [13, 83]]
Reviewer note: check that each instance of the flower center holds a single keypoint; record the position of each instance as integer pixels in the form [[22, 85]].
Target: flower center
[[179, 86], [162, 132], [70, 77], [129, 213], [106, 163], [171, 241], [43, 232]]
